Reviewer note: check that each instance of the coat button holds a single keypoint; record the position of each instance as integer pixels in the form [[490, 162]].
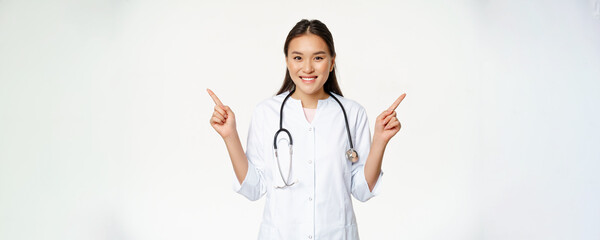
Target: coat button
[[309, 161], [309, 198], [309, 236], [310, 129]]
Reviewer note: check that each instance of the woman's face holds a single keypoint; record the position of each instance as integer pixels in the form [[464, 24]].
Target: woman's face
[[309, 63]]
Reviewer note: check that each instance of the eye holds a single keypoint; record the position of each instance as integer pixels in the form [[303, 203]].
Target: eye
[[318, 58], [298, 58]]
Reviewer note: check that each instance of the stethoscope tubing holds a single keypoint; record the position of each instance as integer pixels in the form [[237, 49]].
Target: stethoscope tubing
[[350, 154]]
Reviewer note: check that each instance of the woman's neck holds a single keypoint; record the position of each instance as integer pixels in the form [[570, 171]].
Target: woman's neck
[[310, 101]]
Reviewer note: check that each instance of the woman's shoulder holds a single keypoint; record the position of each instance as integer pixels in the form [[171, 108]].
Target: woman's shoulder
[[270, 104], [350, 105]]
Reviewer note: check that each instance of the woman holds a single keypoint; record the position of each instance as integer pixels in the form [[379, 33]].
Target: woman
[[308, 184]]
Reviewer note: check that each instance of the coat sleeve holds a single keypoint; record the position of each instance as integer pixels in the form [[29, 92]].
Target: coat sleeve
[[253, 187], [362, 145]]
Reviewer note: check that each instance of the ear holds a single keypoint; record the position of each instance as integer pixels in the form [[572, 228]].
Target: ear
[[332, 64]]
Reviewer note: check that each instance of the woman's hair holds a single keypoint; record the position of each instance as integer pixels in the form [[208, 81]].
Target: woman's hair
[[318, 28]]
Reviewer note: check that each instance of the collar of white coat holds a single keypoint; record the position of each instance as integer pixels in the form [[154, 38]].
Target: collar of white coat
[[297, 105]]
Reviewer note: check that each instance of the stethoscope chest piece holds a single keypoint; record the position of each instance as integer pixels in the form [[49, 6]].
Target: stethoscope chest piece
[[352, 155]]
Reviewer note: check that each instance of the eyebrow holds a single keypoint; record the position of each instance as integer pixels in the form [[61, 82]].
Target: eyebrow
[[299, 53]]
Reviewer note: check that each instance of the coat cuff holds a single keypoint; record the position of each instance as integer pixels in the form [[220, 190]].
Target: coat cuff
[[247, 186], [375, 191], [362, 192]]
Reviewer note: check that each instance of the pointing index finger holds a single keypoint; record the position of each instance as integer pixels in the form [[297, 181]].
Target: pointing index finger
[[397, 102], [214, 97]]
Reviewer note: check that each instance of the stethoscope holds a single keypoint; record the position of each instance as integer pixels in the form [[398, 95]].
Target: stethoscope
[[351, 154]]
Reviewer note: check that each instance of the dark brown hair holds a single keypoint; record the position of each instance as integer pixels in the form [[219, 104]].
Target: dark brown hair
[[318, 28]]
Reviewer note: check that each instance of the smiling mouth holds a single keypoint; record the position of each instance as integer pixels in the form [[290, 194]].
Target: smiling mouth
[[308, 78]]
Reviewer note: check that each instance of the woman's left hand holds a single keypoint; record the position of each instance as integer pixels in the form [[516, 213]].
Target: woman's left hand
[[387, 124]]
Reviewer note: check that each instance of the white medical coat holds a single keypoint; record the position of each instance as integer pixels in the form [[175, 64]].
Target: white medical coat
[[318, 206]]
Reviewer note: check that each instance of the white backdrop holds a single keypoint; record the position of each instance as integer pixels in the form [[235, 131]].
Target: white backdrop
[[104, 129]]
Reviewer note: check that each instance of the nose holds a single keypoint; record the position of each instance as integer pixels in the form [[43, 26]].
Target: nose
[[308, 67]]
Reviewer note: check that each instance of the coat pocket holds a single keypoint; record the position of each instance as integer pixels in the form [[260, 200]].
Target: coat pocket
[[268, 232], [348, 232]]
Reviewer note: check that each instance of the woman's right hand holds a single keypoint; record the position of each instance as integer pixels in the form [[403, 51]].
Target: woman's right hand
[[223, 119]]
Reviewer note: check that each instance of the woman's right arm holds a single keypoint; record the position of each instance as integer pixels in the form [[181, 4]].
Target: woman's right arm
[[237, 155], [248, 167], [223, 121]]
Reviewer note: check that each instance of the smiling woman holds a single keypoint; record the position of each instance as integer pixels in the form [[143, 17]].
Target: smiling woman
[[310, 59], [329, 156], [309, 65]]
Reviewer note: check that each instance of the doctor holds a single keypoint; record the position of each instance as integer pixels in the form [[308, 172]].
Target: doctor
[[305, 171]]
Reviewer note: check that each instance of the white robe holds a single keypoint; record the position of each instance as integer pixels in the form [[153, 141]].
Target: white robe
[[318, 206]]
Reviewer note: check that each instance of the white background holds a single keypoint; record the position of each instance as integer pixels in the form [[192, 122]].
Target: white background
[[104, 129]]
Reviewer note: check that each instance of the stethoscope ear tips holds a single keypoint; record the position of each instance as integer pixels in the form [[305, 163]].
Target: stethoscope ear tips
[[352, 155]]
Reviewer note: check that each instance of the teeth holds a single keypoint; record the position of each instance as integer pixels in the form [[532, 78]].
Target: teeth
[[308, 78]]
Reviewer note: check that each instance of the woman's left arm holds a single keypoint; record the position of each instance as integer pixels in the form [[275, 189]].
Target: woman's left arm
[[386, 126]]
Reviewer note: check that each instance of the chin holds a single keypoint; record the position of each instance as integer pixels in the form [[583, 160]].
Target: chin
[[309, 91]]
